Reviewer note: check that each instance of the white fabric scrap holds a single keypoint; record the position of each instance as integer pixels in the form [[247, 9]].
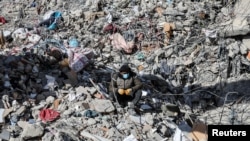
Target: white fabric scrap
[[50, 82], [131, 137], [109, 18], [211, 33], [1, 114]]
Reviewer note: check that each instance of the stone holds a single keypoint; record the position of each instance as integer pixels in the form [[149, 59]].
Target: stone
[[149, 119], [103, 105], [48, 137], [201, 53], [50, 99], [146, 128], [5, 135], [15, 139], [20, 110], [245, 44], [77, 13], [239, 26], [137, 119], [92, 136], [233, 49], [30, 130], [91, 121], [130, 138], [154, 135]]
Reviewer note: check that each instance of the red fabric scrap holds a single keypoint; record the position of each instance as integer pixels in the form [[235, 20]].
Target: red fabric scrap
[[2, 20], [48, 115]]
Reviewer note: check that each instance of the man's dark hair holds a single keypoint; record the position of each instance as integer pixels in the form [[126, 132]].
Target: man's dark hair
[[125, 68]]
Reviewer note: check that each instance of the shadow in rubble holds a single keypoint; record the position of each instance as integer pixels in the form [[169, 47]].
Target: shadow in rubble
[[197, 97], [24, 75]]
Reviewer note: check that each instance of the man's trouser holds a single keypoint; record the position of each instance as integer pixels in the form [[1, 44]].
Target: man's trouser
[[124, 99]]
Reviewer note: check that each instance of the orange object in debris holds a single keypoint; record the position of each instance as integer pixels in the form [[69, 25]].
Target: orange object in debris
[[199, 131], [159, 10], [140, 68], [248, 56], [167, 28], [64, 63], [56, 104]]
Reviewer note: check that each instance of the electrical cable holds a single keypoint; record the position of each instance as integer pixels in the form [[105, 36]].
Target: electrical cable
[[224, 104]]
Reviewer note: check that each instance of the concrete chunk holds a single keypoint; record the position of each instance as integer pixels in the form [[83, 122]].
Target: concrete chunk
[[103, 105], [93, 137]]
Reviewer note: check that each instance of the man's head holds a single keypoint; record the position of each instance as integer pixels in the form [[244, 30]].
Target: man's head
[[125, 71]]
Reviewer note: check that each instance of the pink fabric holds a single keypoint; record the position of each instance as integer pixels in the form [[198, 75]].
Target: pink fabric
[[2, 20], [110, 27], [77, 61], [119, 43], [48, 115]]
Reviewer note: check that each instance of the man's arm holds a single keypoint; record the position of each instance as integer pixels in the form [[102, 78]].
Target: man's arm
[[113, 84], [138, 84]]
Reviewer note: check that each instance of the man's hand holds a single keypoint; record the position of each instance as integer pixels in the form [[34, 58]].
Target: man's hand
[[128, 91], [121, 91]]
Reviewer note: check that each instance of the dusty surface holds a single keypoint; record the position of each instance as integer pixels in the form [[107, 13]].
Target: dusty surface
[[192, 57]]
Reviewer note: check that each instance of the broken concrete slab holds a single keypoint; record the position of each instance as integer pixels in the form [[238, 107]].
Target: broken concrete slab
[[103, 105], [93, 137], [239, 26], [31, 130]]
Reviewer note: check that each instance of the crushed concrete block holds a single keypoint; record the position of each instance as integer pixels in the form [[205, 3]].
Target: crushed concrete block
[[50, 99], [1, 115], [93, 137], [138, 119], [48, 137], [154, 135], [31, 130], [130, 138], [149, 119], [20, 110], [239, 26], [146, 128], [5, 135], [91, 121], [15, 139], [103, 106]]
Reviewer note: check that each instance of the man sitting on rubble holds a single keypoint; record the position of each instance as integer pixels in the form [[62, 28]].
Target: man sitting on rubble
[[125, 86]]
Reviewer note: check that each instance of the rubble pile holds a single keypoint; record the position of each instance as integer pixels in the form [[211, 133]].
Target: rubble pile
[[57, 58]]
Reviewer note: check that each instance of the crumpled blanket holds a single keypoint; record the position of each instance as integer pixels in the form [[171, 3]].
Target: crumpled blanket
[[79, 58], [48, 115], [118, 42]]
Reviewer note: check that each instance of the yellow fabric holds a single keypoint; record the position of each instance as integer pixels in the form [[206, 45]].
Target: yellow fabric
[[128, 91], [121, 91]]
